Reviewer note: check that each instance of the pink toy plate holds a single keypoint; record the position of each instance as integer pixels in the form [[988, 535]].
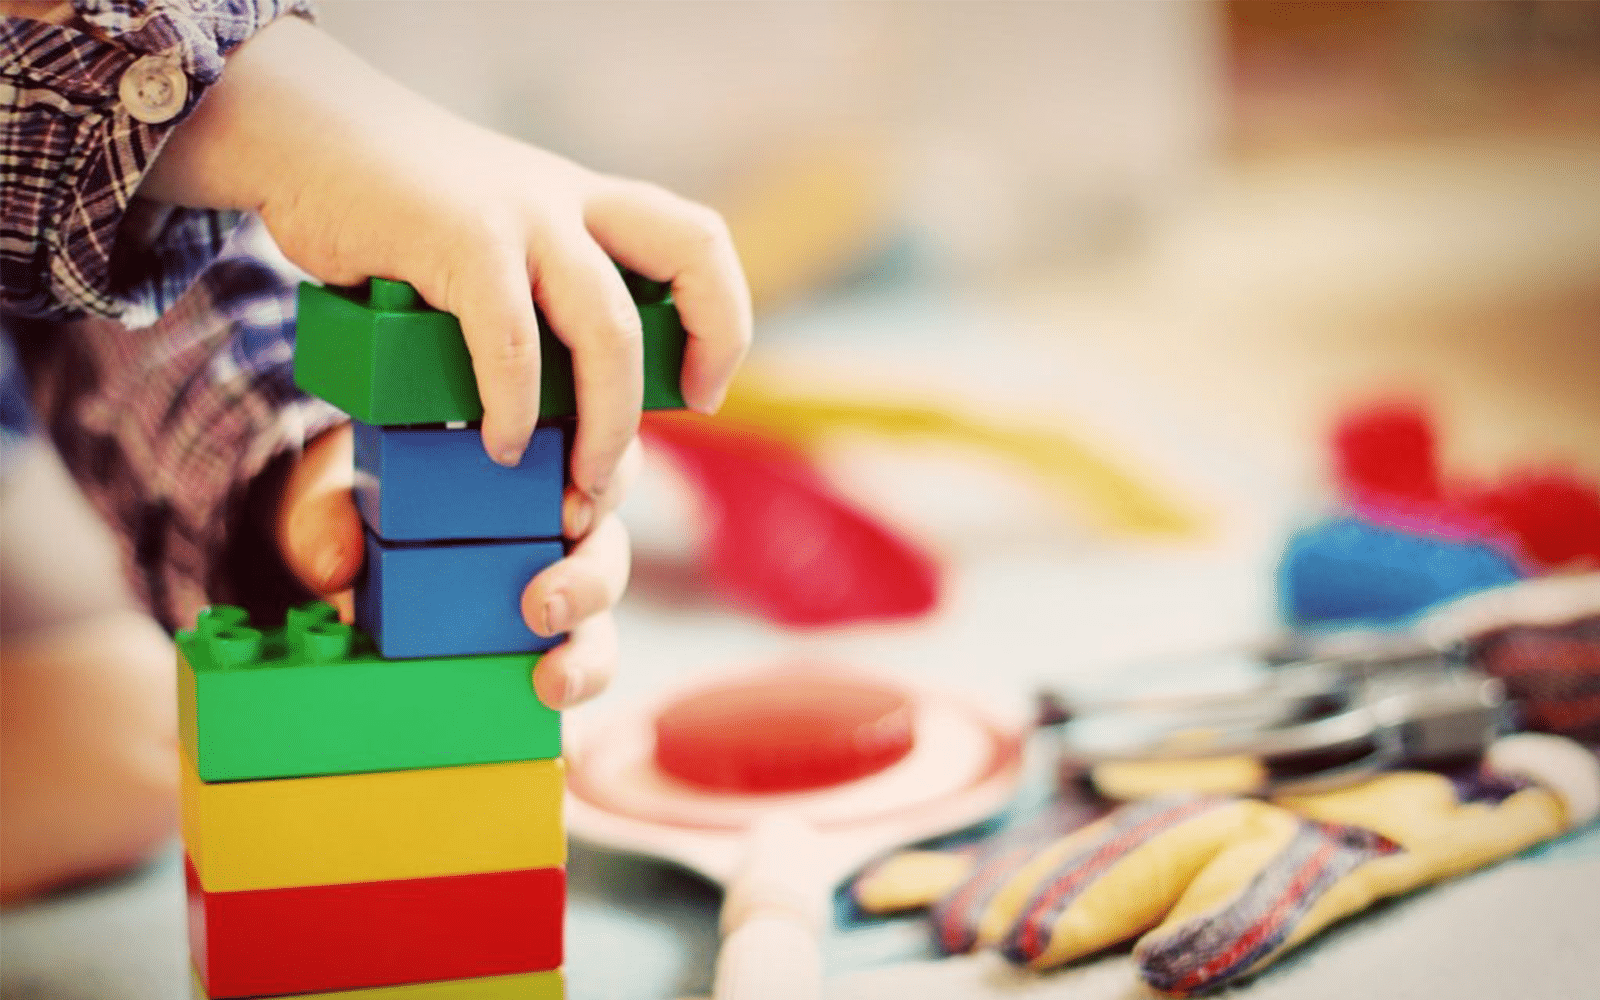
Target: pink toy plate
[[781, 855]]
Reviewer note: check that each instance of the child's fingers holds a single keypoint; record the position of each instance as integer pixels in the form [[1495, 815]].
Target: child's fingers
[[588, 581], [580, 512], [666, 238], [490, 295], [318, 527], [581, 667], [589, 309], [344, 604]]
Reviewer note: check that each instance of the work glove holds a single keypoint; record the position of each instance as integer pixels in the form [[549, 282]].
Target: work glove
[[1220, 887], [1542, 640]]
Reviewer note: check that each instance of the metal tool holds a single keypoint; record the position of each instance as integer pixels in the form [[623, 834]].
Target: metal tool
[[1328, 709], [1312, 724]]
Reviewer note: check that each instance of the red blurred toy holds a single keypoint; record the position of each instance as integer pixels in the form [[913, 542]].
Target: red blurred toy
[[1386, 464], [784, 543]]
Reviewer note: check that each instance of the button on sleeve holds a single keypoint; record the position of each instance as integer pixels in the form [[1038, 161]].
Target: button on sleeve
[[154, 89]]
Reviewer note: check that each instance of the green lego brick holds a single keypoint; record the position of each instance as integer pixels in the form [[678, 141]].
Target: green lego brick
[[314, 698], [383, 356]]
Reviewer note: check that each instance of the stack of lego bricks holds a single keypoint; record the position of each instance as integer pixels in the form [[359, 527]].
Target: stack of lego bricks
[[373, 812]]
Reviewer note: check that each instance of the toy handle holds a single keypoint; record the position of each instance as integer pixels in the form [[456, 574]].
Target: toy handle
[[772, 916], [771, 956]]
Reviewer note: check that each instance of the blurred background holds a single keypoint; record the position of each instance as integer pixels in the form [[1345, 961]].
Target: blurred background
[[1138, 257]]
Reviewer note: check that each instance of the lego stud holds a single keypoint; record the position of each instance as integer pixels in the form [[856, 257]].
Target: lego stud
[[309, 614], [236, 646], [316, 635], [392, 296], [325, 642], [221, 617], [228, 636]]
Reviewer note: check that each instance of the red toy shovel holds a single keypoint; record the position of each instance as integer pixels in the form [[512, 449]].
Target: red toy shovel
[[783, 543]]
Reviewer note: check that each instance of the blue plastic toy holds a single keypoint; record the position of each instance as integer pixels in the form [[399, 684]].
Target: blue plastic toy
[[452, 598], [434, 483], [1349, 572]]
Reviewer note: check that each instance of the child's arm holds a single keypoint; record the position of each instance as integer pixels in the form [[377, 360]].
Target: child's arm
[[91, 225], [357, 176], [92, 92], [181, 433]]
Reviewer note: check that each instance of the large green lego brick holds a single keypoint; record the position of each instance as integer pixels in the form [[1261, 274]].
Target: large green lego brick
[[383, 356], [313, 697]]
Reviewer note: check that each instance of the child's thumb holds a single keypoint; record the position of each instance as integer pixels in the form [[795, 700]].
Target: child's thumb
[[319, 529]]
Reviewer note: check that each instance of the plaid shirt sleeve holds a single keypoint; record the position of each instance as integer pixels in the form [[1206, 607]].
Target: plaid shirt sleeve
[[75, 239], [179, 433]]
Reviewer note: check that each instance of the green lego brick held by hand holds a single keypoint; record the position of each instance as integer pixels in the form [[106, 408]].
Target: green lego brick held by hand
[[383, 356], [313, 698]]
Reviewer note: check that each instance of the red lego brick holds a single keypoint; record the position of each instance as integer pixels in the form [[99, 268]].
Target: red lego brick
[[331, 937]]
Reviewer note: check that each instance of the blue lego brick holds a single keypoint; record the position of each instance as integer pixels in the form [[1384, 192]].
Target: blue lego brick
[[450, 598], [433, 483]]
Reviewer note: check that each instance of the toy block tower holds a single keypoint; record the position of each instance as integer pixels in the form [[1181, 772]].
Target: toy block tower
[[373, 812]]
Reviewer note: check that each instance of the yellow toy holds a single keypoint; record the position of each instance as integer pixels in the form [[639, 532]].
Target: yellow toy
[[1110, 495], [345, 828]]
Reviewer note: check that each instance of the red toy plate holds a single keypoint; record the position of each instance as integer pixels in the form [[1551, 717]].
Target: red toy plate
[[790, 732]]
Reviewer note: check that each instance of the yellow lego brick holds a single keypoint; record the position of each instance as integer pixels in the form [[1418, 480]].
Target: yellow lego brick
[[341, 828], [188, 727], [525, 986]]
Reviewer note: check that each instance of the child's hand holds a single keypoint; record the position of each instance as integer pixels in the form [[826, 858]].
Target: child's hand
[[357, 177], [319, 536]]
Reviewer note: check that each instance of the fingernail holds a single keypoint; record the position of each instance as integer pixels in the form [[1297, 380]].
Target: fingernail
[[328, 567], [572, 687], [577, 515], [556, 613], [509, 457]]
